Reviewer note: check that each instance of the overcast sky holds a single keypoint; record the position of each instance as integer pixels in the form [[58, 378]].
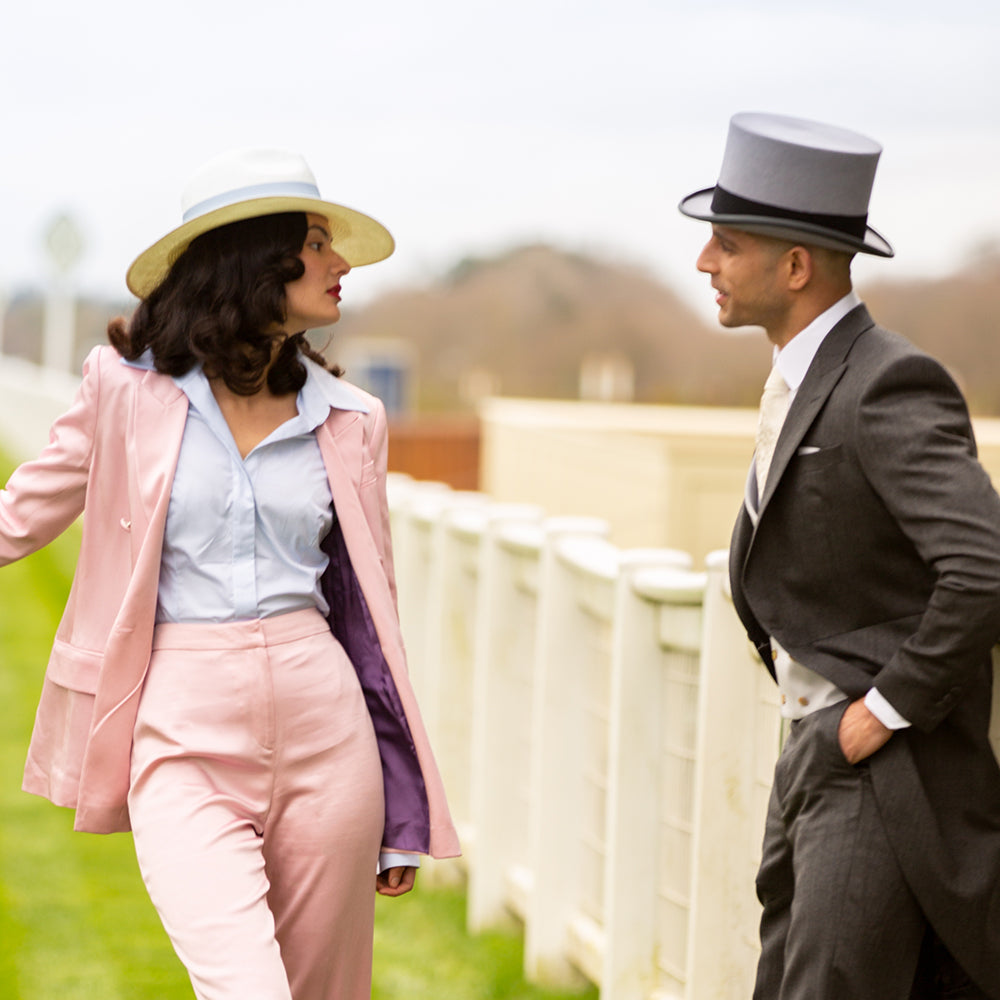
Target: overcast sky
[[467, 127]]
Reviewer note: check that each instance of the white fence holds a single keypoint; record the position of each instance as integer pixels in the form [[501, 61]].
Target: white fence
[[606, 735], [30, 400]]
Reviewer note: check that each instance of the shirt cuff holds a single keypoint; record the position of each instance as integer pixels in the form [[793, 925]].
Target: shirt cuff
[[396, 859], [876, 704]]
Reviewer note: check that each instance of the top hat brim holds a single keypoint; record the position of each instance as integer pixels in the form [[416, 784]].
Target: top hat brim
[[699, 206], [358, 238]]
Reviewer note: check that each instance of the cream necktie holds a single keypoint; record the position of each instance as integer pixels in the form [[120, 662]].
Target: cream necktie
[[773, 409]]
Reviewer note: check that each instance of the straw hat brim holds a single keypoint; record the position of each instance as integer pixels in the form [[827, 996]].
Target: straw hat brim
[[358, 238], [699, 206]]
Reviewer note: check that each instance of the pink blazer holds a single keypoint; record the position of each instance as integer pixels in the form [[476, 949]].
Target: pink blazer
[[112, 457]]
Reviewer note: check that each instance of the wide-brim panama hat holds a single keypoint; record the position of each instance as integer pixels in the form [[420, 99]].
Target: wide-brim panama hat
[[246, 183], [794, 179]]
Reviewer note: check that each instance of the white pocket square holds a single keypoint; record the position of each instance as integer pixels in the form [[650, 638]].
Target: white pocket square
[[807, 449]]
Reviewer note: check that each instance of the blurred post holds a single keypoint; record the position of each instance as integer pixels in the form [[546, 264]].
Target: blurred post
[[64, 244], [4, 303]]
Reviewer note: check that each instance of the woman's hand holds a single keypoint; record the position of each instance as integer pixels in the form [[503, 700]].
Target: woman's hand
[[395, 881]]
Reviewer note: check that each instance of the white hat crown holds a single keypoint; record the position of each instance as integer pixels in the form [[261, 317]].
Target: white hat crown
[[243, 174]]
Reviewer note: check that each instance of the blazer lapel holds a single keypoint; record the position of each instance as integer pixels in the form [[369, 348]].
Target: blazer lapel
[[341, 441], [826, 370], [154, 442]]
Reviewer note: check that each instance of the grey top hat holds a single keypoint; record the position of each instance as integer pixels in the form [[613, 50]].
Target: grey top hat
[[794, 179]]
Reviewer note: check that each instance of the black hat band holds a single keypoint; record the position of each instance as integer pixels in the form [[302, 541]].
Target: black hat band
[[726, 203]]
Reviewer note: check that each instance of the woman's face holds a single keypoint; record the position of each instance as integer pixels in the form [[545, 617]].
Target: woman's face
[[314, 299]]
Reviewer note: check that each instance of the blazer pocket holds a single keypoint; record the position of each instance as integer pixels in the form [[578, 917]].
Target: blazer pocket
[[74, 668], [810, 459]]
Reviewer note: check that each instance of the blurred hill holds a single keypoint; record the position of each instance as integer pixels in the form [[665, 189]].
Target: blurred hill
[[956, 319], [525, 323], [538, 321]]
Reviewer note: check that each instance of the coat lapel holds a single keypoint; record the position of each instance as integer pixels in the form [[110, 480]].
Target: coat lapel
[[341, 441], [826, 370], [153, 438]]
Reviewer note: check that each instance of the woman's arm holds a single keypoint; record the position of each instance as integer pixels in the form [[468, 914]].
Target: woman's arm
[[46, 495]]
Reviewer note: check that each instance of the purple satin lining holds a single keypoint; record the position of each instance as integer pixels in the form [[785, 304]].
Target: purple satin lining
[[407, 815]]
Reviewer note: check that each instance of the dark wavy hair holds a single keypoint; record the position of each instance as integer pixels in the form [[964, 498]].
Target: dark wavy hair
[[218, 305]]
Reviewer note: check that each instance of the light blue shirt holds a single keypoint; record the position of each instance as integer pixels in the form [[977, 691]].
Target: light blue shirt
[[243, 535]]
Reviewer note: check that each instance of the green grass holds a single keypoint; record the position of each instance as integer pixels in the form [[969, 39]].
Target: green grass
[[75, 922], [422, 952]]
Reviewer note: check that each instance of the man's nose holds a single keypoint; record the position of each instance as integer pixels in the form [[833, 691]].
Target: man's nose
[[706, 260]]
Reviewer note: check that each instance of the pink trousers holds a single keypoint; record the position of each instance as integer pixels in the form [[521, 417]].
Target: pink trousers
[[257, 808]]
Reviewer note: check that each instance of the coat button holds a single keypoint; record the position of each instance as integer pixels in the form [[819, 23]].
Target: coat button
[[803, 701]]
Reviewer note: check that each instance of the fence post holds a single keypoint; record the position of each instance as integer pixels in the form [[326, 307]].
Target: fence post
[[499, 879], [739, 732], [578, 579], [653, 690], [410, 557]]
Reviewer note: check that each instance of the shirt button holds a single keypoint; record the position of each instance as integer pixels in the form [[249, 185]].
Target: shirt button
[[803, 701], [783, 699]]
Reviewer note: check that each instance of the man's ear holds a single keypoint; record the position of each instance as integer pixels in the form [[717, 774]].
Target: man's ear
[[799, 267]]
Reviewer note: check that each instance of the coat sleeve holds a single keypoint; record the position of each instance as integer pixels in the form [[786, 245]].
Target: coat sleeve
[[46, 495], [917, 450]]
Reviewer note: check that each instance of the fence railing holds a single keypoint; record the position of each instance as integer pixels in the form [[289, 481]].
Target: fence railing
[[606, 736]]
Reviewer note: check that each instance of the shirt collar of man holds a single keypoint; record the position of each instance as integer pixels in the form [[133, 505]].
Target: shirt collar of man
[[793, 360]]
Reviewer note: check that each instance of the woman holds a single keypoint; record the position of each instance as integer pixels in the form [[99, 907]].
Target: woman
[[228, 679]]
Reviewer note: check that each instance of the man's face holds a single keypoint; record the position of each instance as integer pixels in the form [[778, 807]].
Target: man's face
[[747, 276]]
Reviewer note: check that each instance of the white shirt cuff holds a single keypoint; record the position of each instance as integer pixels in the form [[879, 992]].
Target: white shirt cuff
[[876, 704], [396, 859]]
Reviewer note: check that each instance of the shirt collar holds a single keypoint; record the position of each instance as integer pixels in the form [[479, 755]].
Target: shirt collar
[[144, 362], [321, 392], [793, 360]]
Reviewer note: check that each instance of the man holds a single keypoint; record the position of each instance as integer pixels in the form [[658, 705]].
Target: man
[[865, 565]]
